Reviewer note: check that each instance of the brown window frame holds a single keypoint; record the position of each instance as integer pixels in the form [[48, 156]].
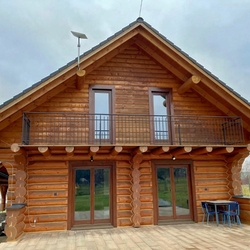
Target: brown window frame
[[169, 110], [99, 89]]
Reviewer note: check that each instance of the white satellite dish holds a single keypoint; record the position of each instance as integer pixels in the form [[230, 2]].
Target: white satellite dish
[[79, 36]]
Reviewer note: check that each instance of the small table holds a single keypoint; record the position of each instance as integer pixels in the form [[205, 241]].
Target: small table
[[218, 203]]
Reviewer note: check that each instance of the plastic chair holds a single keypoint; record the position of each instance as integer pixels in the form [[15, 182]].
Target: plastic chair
[[232, 214], [207, 211]]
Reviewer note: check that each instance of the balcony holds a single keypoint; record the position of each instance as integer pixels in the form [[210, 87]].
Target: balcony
[[41, 128]]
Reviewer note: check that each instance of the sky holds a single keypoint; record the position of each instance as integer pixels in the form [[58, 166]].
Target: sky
[[35, 37]]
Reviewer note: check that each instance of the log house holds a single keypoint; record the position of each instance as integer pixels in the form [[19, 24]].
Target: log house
[[139, 135]]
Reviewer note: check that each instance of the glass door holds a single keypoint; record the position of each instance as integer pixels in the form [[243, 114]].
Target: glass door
[[173, 192], [92, 195]]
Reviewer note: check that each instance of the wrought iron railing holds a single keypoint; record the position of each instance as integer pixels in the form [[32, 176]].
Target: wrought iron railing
[[41, 128]]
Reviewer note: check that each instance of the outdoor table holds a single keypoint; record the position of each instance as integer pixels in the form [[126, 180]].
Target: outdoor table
[[216, 203]]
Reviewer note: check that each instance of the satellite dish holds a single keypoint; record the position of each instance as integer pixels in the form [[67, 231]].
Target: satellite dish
[[79, 36]]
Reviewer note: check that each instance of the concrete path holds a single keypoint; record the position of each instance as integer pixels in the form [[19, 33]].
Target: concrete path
[[184, 236]]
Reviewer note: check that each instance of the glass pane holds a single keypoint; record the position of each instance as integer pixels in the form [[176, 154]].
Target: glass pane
[[181, 191], [102, 110], [102, 195], [82, 195], [164, 192], [160, 117]]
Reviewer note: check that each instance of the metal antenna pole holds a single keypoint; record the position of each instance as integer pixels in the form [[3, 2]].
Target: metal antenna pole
[[78, 58], [79, 36]]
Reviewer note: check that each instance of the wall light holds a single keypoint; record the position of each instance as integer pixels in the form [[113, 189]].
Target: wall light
[[173, 158], [91, 158]]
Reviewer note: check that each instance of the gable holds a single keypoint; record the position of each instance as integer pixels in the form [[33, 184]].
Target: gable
[[141, 35]]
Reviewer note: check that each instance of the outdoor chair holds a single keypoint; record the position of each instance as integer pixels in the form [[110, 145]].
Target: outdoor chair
[[232, 214], [208, 211]]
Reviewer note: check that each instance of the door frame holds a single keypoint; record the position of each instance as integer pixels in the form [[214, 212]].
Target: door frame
[[191, 187], [71, 189]]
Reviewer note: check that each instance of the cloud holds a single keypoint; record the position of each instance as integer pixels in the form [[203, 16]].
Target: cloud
[[36, 39]]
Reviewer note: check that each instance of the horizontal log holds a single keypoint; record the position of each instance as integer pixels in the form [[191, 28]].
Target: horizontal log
[[69, 151], [124, 206], [48, 186], [116, 150], [179, 151], [160, 150], [124, 214], [211, 169], [147, 205], [45, 218], [47, 210], [47, 194], [225, 150], [147, 221], [124, 199], [57, 171], [45, 151], [147, 213], [48, 202], [48, 165], [124, 222], [17, 149], [47, 179], [210, 176], [49, 226]]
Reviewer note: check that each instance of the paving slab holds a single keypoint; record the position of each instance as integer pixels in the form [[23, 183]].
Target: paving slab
[[181, 236]]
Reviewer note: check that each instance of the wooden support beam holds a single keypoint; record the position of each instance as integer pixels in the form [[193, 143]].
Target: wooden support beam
[[80, 77], [115, 151], [193, 80], [16, 149], [140, 150], [70, 151], [93, 150], [45, 151], [200, 151], [160, 150], [136, 159], [223, 150], [242, 150], [180, 151]]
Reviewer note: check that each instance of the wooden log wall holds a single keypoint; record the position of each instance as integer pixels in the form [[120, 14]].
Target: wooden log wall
[[123, 192], [147, 199], [211, 182], [47, 196], [132, 72], [15, 223], [124, 201]]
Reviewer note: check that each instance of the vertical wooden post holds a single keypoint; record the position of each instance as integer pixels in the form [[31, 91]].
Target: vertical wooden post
[[136, 190], [3, 195]]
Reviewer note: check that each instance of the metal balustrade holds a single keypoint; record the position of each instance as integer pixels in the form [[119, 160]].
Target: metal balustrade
[[40, 128]]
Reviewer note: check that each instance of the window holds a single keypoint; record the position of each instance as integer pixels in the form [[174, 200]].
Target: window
[[160, 111], [101, 109]]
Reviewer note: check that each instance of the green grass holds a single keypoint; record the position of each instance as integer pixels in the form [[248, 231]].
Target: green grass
[[181, 191]]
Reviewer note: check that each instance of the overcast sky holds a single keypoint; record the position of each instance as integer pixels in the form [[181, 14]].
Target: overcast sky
[[35, 38]]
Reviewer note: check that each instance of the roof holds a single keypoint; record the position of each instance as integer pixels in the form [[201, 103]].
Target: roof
[[139, 20]]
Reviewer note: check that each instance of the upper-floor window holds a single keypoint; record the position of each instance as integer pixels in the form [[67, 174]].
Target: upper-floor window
[[160, 109], [101, 106]]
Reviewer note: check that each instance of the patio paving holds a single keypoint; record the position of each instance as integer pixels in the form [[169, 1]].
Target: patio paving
[[181, 236]]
